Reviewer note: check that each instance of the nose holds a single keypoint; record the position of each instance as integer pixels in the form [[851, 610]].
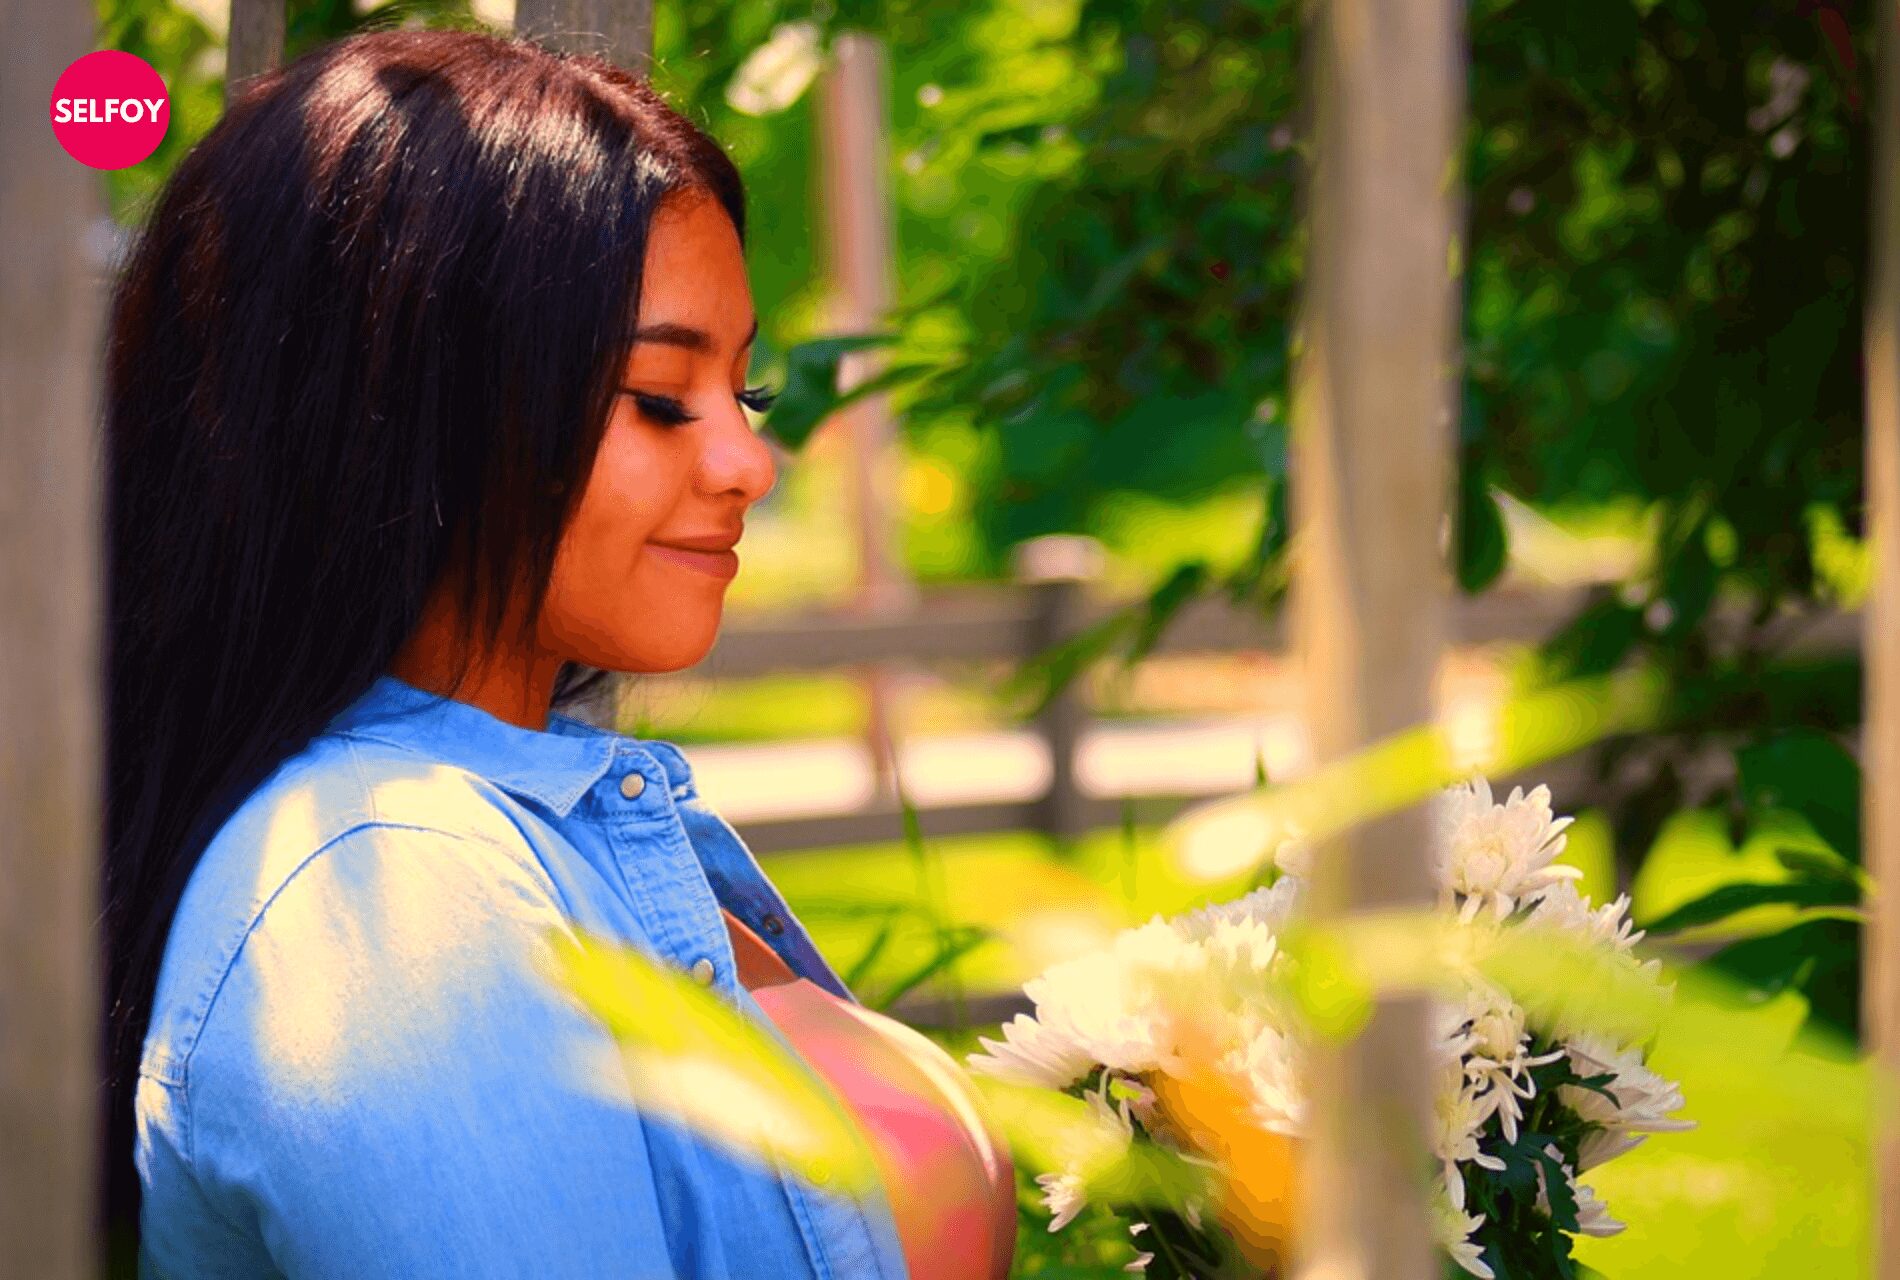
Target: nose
[[737, 461]]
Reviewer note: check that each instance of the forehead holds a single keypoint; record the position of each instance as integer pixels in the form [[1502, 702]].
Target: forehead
[[695, 269]]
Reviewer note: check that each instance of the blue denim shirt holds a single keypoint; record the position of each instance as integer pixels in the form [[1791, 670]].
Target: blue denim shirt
[[355, 1070]]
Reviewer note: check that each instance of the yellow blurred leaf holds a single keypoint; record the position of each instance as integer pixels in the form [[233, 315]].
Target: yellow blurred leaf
[[1052, 1131], [1560, 978], [1407, 768], [695, 1059]]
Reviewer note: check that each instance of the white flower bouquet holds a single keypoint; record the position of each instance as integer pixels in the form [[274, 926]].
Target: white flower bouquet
[[1179, 1033]]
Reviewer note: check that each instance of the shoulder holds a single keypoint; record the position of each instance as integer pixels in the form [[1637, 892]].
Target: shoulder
[[379, 1075], [368, 840]]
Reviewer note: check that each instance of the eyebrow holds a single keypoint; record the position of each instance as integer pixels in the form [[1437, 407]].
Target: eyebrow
[[679, 335]]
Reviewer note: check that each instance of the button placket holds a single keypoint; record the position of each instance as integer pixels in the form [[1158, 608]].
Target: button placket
[[719, 848], [665, 869]]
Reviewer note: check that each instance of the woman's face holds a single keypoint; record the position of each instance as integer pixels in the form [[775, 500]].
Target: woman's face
[[641, 574]]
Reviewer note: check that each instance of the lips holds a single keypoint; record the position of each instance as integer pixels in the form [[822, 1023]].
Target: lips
[[717, 561]]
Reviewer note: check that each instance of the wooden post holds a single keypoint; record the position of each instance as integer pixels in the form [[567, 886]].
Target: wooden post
[[859, 250], [619, 30], [255, 43], [50, 695], [1374, 403], [1060, 568], [1880, 780]]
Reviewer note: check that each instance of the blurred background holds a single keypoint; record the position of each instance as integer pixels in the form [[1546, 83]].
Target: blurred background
[[1018, 600]]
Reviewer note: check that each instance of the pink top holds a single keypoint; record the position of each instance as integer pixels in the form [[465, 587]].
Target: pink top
[[949, 1179]]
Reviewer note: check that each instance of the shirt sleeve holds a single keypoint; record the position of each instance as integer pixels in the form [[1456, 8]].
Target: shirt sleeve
[[387, 1086]]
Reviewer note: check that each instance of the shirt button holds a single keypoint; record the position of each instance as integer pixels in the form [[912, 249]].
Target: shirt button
[[703, 971], [632, 785], [773, 925]]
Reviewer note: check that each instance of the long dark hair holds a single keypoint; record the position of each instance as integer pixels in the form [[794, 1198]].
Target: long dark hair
[[368, 336]]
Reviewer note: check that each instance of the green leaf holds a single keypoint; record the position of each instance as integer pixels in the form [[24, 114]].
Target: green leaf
[[1688, 581], [1518, 1177], [1554, 1075], [1164, 602], [952, 946], [1818, 958], [1483, 546], [1263, 575], [810, 394], [1557, 1190], [1812, 864], [1719, 904], [1596, 641], [1808, 773], [1041, 679], [869, 958]]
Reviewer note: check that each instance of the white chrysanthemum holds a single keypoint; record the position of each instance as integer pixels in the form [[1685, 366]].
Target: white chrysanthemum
[[1606, 930], [1235, 958], [1134, 1102], [1459, 1116], [1488, 1035], [1120, 1006], [1593, 1216], [1030, 1052], [1492, 857], [1270, 908], [1453, 1229], [1604, 1145], [1063, 1195], [1205, 984], [1562, 907], [1116, 1111], [1110, 1007], [1268, 1060], [1643, 1102]]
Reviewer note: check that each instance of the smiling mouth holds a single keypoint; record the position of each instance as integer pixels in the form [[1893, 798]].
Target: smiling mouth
[[715, 564]]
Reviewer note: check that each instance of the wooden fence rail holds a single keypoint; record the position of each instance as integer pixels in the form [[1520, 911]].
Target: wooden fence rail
[[1011, 623]]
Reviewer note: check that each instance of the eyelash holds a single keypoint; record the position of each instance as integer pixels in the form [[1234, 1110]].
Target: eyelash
[[670, 412]]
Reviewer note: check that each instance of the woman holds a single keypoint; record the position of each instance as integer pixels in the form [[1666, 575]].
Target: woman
[[425, 395]]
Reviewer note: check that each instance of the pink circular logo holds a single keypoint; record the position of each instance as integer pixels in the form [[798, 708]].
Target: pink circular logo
[[110, 109]]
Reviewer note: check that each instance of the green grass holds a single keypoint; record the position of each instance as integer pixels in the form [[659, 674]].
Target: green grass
[[1038, 904], [787, 707]]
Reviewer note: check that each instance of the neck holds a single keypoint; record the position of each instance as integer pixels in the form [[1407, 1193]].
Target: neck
[[514, 687]]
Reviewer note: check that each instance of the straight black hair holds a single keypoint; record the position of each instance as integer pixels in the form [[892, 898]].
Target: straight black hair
[[369, 336]]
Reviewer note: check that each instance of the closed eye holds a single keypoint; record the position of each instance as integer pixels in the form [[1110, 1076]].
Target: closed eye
[[670, 412], [662, 409]]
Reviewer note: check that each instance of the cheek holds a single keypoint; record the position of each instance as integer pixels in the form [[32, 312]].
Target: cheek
[[629, 493]]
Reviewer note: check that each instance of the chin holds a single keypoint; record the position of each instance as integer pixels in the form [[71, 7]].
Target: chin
[[655, 655]]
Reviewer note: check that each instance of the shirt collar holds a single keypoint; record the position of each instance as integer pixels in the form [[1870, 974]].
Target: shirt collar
[[555, 766]]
